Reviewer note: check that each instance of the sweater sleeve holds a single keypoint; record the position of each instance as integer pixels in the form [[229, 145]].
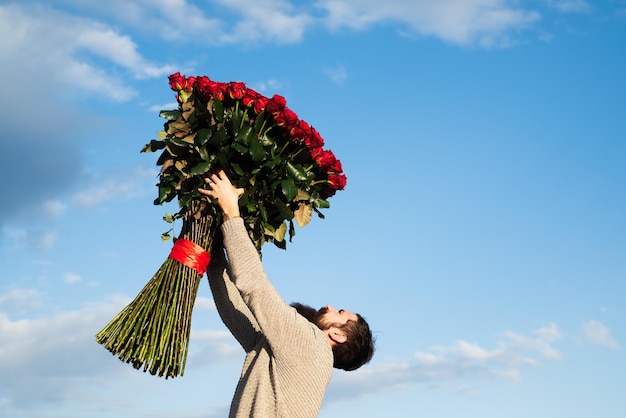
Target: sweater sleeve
[[230, 306], [285, 330]]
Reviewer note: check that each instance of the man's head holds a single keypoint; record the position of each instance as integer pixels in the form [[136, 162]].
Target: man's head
[[348, 334]]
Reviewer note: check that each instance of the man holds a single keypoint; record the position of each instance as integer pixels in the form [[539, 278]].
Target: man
[[290, 350]]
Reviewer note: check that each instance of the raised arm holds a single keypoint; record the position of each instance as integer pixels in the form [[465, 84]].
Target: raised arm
[[230, 306], [279, 322]]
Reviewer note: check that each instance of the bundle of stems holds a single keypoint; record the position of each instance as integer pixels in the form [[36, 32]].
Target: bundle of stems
[[153, 330]]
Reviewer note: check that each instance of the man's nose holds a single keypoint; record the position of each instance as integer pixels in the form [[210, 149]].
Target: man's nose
[[330, 308]]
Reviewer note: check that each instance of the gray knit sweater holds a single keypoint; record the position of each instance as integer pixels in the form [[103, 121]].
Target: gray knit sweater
[[288, 359]]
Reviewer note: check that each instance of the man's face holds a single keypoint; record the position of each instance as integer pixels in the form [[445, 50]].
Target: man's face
[[329, 316]]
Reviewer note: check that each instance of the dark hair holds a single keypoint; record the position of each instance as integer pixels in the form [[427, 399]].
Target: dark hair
[[358, 348]]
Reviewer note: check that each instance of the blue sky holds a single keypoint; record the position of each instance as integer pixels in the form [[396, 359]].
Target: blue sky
[[482, 231]]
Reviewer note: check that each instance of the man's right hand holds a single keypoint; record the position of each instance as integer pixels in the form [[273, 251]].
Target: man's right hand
[[221, 189]]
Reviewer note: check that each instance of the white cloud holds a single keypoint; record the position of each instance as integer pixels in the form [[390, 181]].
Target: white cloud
[[240, 22], [172, 20], [204, 303], [460, 366], [462, 22], [72, 278], [55, 359], [46, 240], [118, 49], [19, 238], [570, 6], [598, 333], [506, 360], [549, 333], [19, 300], [268, 87], [338, 75], [266, 20], [49, 47], [56, 57], [157, 108], [53, 208], [121, 186]]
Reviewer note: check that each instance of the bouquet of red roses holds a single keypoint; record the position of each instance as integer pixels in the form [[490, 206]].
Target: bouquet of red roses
[[262, 145]]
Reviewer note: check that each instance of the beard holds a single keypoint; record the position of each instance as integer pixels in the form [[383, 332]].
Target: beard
[[315, 316]]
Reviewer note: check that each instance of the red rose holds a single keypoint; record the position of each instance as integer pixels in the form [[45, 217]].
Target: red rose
[[276, 104], [260, 103], [326, 160], [337, 181], [190, 83], [337, 167], [249, 97], [300, 130], [210, 89], [202, 86], [180, 82], [286, 118], [236, 90], [314, 139], [176, 81], [255, 100]]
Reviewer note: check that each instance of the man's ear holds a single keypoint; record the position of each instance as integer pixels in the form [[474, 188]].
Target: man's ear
[[337, 335]]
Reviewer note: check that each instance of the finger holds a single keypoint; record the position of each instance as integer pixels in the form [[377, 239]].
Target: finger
[[215, 178], [224, 178]]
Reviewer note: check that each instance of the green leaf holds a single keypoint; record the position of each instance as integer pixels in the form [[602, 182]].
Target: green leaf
[[281, 244], [289, 189], [257, 152], [283, 209], [235, 122], [273, 162], [240, 148], [189, 112], [245, 135], [302, 195], [170, 114], [303, 214], [218, 110], [237, 168], [260, 121], [296, 172], [178, 126], [165, 194], [154, 145], [263, 213], [177, 146], [201, 168], [321, 203], [169, 218], [267, 141], [221, 137], [280, 232], [184, 200], [185, 141], [204, 154], [203, 136]]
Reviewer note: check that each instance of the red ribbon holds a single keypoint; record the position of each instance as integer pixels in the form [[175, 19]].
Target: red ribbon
[[191, 255]]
